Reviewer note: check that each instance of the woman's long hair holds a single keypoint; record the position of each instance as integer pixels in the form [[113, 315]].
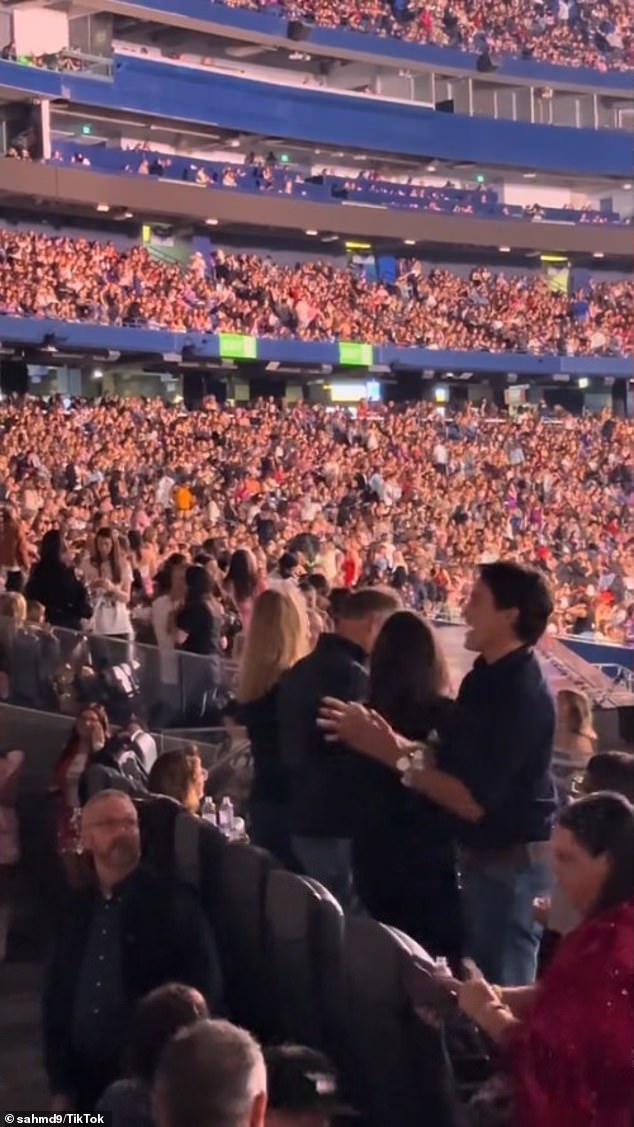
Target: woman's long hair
[[242, 576], [278, 637], [580, 713], [199, 587], [603, 824], [163, 580], [51, 549], [408, 671], [113, 557], [72, 743]]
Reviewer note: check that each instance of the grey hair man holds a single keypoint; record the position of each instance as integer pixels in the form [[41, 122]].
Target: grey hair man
[[211, 1074]]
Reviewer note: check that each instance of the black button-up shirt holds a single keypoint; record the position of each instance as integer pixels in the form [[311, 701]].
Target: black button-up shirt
[[509, 716], [100, 1011]]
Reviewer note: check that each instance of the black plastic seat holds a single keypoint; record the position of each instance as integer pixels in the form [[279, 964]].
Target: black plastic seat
[[395, 1067], [241, 934], [305, 929]]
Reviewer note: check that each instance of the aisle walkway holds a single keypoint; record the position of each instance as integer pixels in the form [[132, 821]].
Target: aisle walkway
[[22, 1082]]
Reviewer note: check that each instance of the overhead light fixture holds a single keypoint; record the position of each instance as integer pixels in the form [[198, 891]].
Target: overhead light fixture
[[211, 222], [128, 215], [103, 207], [234, 143], [97, 374], [504, 250], [360, 156], [530, 175], [627, 187], [311, 232], [431, 167], [410, 242], [598, 254]]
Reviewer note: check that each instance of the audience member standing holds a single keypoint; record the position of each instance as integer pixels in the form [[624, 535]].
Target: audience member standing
[[55, 584], [127, 934], [404, 845], [499, 783], [14, 550], [322, 776], [210, 1075], [276, 641]]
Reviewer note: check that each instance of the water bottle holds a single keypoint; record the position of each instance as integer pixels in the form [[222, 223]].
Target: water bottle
[[226, 816], [209, 812]]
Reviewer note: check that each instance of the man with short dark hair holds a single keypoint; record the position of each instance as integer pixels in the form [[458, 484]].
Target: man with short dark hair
[[211, 1074], [497, 778], [323, 775]]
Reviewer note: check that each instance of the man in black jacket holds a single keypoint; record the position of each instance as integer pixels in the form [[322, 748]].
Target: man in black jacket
[[323, 775], [129, 933]]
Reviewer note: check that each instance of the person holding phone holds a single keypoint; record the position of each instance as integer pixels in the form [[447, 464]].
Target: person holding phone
[[566, 1043]]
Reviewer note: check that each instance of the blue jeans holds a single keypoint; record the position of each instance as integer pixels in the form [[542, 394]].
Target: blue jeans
[[497, 894], [328, 860]]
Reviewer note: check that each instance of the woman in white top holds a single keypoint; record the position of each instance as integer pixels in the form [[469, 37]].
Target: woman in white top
[[108, 576], [171, 585]]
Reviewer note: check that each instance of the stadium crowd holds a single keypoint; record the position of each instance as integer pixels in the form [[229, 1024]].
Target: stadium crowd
[[571, 33], [369, 774], [360, 499], [76, 279]]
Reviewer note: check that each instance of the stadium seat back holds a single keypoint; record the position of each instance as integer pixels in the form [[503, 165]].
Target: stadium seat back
[[241, 933], [395, 1067], [305, 927]]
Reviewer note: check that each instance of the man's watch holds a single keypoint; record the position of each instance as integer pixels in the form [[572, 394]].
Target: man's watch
[[413, 760]]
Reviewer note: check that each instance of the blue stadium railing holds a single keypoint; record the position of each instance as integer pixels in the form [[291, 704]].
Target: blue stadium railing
[[189, 94], [485, 202], [89, 338]]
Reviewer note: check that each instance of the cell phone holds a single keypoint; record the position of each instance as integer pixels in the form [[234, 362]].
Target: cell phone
[[426, 990]]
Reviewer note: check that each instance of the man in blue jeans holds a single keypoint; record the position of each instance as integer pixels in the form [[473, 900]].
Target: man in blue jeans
[[495, 776]]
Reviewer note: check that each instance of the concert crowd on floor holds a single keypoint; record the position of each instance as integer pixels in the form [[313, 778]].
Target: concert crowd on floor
[[82, 280], [575, 33], [398, 494]]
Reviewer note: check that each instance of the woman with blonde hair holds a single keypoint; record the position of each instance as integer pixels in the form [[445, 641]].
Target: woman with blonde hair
[[277, 639], [575, 738]]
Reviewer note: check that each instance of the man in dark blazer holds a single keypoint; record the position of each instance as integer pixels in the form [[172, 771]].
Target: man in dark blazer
[[128, 933]]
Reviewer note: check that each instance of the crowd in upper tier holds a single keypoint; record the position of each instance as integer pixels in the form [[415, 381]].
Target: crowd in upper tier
[[77, 279], [573, 33], [399, 495]]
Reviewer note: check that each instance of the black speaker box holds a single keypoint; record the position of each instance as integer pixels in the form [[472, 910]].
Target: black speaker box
[[297, 31]]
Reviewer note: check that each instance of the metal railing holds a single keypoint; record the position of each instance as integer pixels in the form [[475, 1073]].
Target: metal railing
[[56, 671]]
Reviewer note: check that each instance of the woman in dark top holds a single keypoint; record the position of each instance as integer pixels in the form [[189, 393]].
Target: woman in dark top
[[199, 620], [198, 637], [277, 639], [55, 584], [404, 857]]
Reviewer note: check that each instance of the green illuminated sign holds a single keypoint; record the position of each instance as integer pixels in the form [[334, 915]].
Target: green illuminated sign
[[355, 354], [234, 346]]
